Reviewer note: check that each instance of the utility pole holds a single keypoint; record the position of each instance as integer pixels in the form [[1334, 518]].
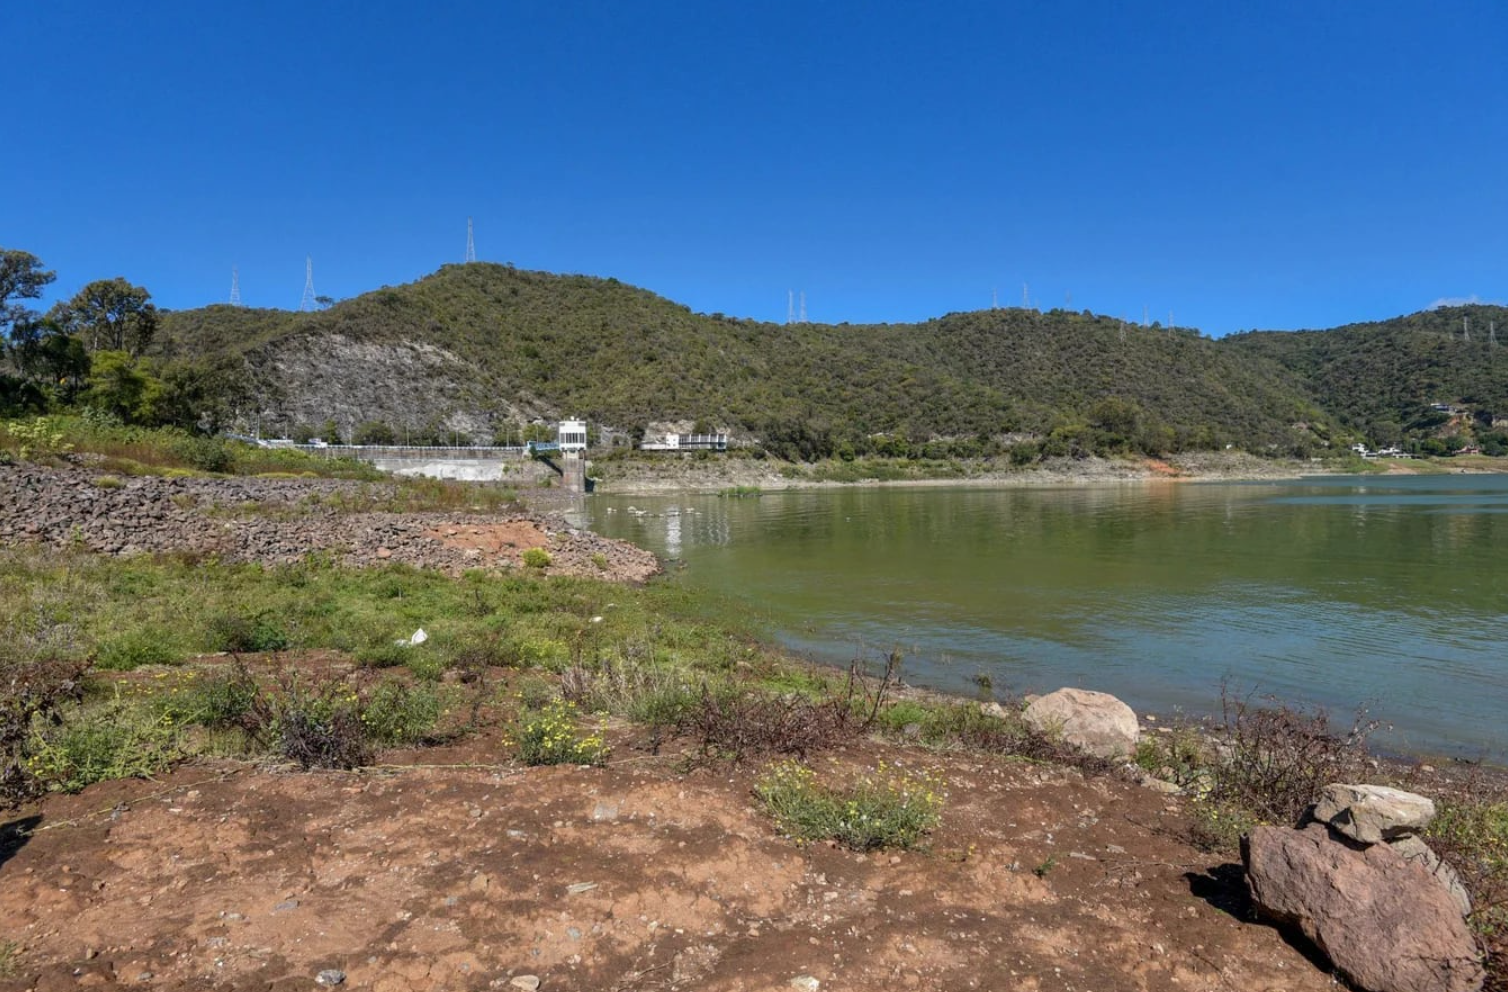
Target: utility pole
[[994, 298], [1026, 297], [308, 301]]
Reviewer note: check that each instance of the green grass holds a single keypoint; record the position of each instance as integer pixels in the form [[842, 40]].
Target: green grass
[[891, 808]]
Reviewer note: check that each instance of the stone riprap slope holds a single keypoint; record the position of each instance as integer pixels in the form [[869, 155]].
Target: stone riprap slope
[[281, 520]]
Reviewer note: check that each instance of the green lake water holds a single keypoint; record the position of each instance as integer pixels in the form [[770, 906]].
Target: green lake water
[[1340, 592]]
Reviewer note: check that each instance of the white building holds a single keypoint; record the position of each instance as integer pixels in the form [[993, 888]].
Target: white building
[[571, 435], [687, 442]]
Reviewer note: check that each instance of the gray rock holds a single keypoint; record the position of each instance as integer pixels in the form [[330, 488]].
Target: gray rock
[[1372, 814], [526, 982], [1413, 849], [1095, 722], [995, 710], [1385, 922], [330, 977]]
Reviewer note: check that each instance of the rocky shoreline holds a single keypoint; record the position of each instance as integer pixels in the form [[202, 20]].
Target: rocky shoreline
[[680, 473], [278, 521]]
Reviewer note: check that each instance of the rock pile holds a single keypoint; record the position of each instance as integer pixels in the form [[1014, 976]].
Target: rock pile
[[274, 521], [1356, 879]]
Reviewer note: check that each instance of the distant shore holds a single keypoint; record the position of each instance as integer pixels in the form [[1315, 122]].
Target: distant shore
[[648, 476]]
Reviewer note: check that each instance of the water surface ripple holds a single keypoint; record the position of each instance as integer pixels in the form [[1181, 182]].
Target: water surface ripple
[[1343, 592]]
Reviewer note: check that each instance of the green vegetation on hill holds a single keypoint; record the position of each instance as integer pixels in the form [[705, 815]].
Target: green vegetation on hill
[[1384, 379], [620, 356], [482, 351]]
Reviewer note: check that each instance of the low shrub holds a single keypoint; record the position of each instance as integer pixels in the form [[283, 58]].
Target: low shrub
[[537, 558], [223, 700], [117, 740], [1272, 761], [549, 737], [134, 648], [1473, 839], [393, 713], [318, 724], [893, 808], [738, 723], [238, 632], [32, 695]]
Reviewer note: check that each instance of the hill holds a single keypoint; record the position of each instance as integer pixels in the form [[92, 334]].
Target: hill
[[482, 349], [1386, 379]]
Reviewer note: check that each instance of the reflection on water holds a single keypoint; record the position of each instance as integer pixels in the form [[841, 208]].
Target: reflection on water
[[1336, 591]]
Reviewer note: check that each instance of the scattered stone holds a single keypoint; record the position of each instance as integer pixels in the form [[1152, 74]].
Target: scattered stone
[[1372, 814], [1385, 922], [576, 888], [805, 983], [995, 710], [285, 906], [527, 982], [1095, 722], [330, 977], [605, 812]]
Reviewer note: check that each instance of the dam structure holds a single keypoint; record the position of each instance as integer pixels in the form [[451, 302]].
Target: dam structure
[[565, 457]]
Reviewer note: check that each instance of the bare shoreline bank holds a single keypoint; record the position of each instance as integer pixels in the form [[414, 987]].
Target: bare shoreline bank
[[680, 474]]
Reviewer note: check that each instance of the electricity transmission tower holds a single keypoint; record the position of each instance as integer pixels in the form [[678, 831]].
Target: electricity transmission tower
[[470, 242], [803, 306], [235, 287], [308, 301], [790, 306]]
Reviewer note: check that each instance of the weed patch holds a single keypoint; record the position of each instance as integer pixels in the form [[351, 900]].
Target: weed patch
[[32, 695], [892, 808], [549, 737], [95, 744]]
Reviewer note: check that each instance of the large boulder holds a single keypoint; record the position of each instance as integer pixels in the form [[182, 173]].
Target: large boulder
[[1382, 919], [1413, 849], [1095, 722], [1372, 814]]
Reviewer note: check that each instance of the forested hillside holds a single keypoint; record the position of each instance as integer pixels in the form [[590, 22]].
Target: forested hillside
[[1386, 379], [480, 347]]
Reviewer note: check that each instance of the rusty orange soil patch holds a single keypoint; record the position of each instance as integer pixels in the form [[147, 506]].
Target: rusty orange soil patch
[[1159, 467], [640, 875], [511, 538]]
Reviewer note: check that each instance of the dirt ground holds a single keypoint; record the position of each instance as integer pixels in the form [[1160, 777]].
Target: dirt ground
[[455, 869]]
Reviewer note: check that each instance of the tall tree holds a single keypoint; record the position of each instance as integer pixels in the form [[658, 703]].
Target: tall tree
[[110, 315], [21, 278]]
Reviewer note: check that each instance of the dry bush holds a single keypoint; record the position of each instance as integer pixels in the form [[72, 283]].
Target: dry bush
[[30, 691], [738, 723], [1271, 761]]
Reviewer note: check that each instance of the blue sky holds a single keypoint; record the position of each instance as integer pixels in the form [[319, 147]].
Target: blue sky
[[1274, 165]]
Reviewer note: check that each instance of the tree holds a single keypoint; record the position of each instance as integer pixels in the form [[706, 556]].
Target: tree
[[21, 278], [110, 315], [122, 386], [50, 359]]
